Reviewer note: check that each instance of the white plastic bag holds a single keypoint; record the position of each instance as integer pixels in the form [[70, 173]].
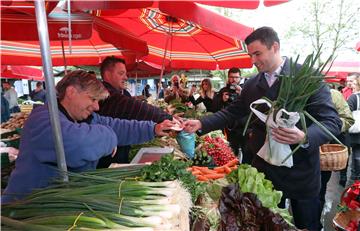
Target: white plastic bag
[[273, 152]]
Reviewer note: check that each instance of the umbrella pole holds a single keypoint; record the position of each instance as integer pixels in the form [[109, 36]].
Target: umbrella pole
[[163, 62], [64, 57], [50, 84]]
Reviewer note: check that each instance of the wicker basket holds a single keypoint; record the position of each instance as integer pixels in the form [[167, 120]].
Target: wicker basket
[[342, 219], [333, 157]]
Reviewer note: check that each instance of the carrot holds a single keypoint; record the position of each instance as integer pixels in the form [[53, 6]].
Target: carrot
[[232, 162], [199, 167], [227, 169], [189, 169], [202, 178], [219, 169], [207, 171], [234, 167], [214, 176], [196, 172]]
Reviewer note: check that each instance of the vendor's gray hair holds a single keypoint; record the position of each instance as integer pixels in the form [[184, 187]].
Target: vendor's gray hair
[[82, 81]]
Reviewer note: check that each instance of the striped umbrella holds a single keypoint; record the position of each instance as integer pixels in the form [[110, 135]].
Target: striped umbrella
[[21, 72], [92, 40], [180, 44]]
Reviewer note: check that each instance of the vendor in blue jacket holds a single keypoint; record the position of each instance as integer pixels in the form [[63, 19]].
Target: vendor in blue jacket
[[87, 136]]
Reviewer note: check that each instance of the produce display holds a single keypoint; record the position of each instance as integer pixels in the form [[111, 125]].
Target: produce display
[[102, 200], [168, 169], [206, 174], [244, 211], [17, 121], [250, 180], [217, 147]]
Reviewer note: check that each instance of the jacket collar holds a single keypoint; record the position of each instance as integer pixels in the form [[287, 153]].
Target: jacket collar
[[63, 110]]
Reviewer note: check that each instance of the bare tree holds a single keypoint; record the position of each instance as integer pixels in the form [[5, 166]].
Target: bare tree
[[328, 23]]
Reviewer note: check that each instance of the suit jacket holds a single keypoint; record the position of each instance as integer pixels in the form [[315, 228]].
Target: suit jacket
[[303, 179]]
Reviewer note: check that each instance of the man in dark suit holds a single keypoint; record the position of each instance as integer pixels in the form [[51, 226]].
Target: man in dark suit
[[301, 182]]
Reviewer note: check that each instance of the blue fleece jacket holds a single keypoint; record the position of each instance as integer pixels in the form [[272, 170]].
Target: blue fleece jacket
[[84, 144]]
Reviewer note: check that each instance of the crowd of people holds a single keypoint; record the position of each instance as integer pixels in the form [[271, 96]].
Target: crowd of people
[[96, 117]]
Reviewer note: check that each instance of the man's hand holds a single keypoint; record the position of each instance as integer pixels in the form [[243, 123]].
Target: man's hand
[[238, 89], [163, 128], [192, 126], [288, 135]]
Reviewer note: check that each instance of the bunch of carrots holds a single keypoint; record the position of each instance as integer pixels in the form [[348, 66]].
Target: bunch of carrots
[[206, 174]]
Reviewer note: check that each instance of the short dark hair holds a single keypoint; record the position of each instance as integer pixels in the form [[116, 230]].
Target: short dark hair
[[234, 70], [108, 63], [82, 81], [266, 35], [39, 84]]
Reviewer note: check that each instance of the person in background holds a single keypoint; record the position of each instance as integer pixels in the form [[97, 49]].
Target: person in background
[[347, 90], [232, 86], [206, 95], [121, 105], [176, 91], [234, 132], [354, 101], [5, 110], [347, 120], [11, 96], [160, 90], [87, 136], [300, 183], [38, 94], [145, 91]]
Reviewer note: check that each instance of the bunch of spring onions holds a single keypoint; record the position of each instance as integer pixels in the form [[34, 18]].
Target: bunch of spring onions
[[104, 202]]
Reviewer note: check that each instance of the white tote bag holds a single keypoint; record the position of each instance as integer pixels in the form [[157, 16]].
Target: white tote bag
[[356, 115], [273, 152]]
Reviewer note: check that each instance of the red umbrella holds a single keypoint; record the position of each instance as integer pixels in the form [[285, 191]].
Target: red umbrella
[[25, 6], [186, 45], [84, 52], [357, 46], [340, 69], [250, 4], [144, 69], [21, 72]]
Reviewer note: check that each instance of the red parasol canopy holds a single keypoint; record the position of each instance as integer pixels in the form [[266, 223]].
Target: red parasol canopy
[[21, 72], [144, 69], [186, 44], [357, 46], [340, 70], [104, 38]]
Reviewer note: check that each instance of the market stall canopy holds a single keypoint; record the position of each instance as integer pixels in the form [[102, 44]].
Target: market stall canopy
[[108, 5], [84, 52], [203, 17], [25, 6], [21, 72], [184, 44], [82, 27], [144, 69], [92, 39], [340, 70]]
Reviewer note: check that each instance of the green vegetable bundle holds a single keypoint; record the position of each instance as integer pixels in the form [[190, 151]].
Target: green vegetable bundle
[[101, 200], [250, 180]]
